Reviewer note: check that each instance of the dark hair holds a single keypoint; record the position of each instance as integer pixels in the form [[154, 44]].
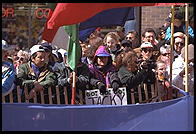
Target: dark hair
[[133, 32], [124, 57], [60, 57], [148, 30]]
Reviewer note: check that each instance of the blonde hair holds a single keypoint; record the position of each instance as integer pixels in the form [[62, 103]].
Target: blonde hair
[[113, 35]]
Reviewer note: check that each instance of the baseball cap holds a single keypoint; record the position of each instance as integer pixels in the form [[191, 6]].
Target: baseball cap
[[46, 46], [146, 45], [36, 48]]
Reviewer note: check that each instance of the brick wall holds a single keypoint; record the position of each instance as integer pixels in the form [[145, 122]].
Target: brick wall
[[153, 17]]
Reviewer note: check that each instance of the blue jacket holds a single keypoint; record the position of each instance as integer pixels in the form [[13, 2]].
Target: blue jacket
[[168, 32], [8, 77]]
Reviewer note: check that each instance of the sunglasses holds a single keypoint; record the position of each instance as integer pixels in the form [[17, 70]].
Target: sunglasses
[[166, 54], [20, 58], [179, 43], [147, 50], [127, 38]]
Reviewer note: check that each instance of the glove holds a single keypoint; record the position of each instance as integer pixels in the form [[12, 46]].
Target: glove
[[115, 86], [102, 87]]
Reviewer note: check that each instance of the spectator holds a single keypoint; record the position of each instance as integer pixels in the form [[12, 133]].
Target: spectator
[[103, 72], [125, 44], [178, 44], [178, 25], [147, 60], [65, 78], [149, 35], [178, 70], [161, 36], [112, 41], [133, 37], [165, 56], [36, 74], [22, 57], [90, 54], [146, 52], [8, 72], [121, 32], [129, 73], [191, 21], [48, 49], [163, 82]]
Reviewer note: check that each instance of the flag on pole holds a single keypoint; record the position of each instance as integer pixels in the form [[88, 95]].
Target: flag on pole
[[74, 48], [115, 16], [105, 18], [74, 13]]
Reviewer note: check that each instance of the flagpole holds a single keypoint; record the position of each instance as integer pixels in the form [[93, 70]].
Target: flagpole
[[186, 48], [73, 89], [172, 49]]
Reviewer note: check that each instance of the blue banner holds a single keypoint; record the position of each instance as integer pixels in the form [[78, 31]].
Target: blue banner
[[172, 115], [111, 17]]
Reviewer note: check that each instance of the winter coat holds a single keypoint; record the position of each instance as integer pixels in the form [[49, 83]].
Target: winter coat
[[106, 74], [8, 77]]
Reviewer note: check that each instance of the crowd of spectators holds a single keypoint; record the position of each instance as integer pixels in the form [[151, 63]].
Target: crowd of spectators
[[114, 61]]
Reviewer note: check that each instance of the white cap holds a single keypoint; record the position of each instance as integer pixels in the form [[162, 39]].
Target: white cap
[[146, 44], [36, 48]]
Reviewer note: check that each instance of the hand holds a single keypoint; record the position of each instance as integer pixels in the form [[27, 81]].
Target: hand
[[102, 87], [71, 78], [115, 86], [32, 94], [37, 86], [144, 65]]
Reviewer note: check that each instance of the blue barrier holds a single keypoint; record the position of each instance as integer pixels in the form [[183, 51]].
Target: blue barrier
[[172, 115]]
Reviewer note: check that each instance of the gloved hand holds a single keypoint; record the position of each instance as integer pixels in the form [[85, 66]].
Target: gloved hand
[[115, 86], [102, 87]]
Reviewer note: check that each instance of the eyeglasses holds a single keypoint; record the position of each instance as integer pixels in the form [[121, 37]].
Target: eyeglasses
[[166, 54], [146, 50], [179, 43]]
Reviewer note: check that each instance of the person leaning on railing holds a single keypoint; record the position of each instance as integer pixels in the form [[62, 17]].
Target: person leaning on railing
[[129, 73], [35, 75]]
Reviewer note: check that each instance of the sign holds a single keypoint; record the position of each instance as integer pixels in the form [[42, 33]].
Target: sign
[[7, 12], [94, 97]]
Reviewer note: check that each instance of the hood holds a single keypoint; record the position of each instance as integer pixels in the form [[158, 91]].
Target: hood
[[101, 51]]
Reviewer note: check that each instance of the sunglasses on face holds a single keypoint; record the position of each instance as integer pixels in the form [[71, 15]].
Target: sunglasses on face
[[166, 54], [20, 58], [128, 38], [179, 43], [147, 50]]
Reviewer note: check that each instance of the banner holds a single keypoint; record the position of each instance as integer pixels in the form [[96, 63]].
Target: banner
[[171, 115], [93, 97]]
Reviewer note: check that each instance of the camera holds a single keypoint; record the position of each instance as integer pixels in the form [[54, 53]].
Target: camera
[[149, 64]]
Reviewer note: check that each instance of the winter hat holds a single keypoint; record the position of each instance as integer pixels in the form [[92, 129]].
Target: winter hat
[[101, 51]]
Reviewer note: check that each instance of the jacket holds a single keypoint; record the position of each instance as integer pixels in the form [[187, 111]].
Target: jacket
[[106, 74], [27, 76]]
